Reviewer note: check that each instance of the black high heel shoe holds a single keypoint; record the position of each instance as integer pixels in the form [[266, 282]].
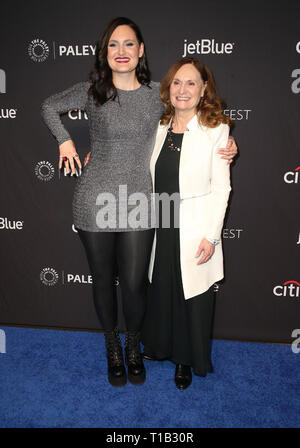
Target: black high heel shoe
[[133, 358], [115, 362], [183, 376]]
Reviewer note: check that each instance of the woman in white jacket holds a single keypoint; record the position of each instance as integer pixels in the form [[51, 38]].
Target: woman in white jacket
[[187, 254]]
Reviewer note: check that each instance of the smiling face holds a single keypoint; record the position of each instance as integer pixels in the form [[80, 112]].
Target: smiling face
[[123, 50], [186, 89]]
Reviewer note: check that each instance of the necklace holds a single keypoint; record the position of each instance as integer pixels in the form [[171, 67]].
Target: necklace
[[171, 145]]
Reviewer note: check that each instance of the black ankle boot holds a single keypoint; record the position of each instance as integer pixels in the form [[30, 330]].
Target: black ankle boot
[[133, 357], [183, 376], [115, 361]]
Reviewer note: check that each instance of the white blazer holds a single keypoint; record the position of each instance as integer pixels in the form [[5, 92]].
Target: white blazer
[[204, 185]]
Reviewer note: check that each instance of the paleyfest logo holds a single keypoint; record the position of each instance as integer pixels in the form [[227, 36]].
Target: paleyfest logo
[[290, 288], [38, 50], [44, 170], [49, 276], [292, 177]]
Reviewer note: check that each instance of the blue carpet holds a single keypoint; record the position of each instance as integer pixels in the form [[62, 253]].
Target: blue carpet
[[57, 379]]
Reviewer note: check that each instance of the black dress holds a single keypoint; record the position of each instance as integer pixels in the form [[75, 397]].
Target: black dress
[[174, 328]]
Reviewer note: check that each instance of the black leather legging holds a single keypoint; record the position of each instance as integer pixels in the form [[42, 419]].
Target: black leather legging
[[127, 253]]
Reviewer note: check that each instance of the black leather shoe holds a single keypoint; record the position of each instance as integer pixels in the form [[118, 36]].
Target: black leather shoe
[[133, 358], [115, 362], [183, 376]]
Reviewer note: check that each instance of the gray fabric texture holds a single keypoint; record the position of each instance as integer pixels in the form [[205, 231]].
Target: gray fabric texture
[[122, 134]]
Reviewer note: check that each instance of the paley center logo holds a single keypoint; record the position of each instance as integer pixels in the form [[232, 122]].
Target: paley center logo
[[2, 81], [206, 46], [76, 50], [292, 177], [38, 50], [290, 288], [44, 170], [50, 277]]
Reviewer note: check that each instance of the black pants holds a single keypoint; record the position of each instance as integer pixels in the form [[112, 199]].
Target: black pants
[[125, 253]]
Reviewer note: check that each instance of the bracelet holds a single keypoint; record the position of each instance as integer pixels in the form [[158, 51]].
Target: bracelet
[[212, 241]]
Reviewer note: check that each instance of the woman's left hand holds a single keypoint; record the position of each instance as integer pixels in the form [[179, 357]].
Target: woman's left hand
[[207, 249], [230, 151]]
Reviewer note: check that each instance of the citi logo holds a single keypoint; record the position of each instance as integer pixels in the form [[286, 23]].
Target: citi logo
[[8, 224], [291, 288], [77, 114], [2, 81], [292, 177], [206, 46]]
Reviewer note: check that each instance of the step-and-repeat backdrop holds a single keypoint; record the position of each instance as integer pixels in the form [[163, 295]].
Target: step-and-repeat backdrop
[[253, 49]]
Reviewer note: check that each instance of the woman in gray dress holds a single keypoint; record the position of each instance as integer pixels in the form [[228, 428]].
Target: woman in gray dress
[[123, 107]]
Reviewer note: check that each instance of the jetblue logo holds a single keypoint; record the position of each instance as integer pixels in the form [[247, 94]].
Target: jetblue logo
[[2, 81], [206, 46]]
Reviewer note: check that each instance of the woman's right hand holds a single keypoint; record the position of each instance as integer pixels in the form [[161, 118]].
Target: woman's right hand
[[67, 150]]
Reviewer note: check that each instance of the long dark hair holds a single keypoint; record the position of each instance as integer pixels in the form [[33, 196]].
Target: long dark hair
[[102, 88]]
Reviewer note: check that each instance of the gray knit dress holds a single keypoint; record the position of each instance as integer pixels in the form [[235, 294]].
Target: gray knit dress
[[122, 134]]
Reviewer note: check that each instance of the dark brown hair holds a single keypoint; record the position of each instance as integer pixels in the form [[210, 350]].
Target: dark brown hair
[[210, 106], [102, 88]]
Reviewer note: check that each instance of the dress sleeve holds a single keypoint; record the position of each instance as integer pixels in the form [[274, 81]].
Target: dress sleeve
[[74, 97]]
